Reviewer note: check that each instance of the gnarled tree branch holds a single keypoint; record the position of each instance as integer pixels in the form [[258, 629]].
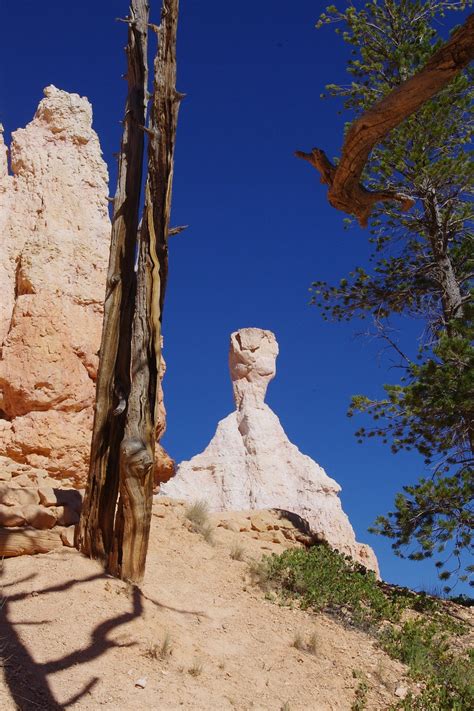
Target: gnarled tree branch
[[345, 190]]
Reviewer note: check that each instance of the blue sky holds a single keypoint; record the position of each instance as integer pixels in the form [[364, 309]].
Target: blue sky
[[260, 230]]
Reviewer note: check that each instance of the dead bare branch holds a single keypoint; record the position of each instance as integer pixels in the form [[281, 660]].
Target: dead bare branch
[[176, 230]]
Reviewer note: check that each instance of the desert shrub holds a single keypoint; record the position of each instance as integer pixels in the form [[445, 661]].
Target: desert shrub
[[323, 579], [428, 643], [426, 647]]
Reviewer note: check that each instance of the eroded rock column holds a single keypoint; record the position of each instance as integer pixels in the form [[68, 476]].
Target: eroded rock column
[[251, 464]]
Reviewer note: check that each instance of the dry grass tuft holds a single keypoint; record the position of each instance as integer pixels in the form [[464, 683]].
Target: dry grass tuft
[[196, 669], [259, 575], [237, 552], [166, 647], [207, 532], [152, 651], [309, 645], [298, 642], [160, 651], [198, 514]]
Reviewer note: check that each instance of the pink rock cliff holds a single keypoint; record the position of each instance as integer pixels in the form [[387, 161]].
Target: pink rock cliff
[[54, 245], [54, 241]]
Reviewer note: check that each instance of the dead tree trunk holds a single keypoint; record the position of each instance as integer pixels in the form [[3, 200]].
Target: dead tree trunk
[[138, 445], [113, 380], [345, 190], [123, 442]]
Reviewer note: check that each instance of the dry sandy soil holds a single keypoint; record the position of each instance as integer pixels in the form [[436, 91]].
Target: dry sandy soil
[[74, 638]]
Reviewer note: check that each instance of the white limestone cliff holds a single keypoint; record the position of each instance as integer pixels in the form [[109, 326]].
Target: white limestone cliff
[[251, 464]]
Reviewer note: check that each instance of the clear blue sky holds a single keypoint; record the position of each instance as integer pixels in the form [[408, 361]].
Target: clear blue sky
[[260, 227]]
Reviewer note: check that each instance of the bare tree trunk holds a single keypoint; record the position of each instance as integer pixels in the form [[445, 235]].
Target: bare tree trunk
[[113, 382], [452, 300], [138, 445], [345, 190], [127, 524]]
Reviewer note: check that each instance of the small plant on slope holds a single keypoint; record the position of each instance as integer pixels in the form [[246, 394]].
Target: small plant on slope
[[306, 645], [428, 642], [196, 669], [361, 691], [198, 514], [237, 552]]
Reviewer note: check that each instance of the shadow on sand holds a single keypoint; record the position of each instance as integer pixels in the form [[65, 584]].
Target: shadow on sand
[[27, 680]]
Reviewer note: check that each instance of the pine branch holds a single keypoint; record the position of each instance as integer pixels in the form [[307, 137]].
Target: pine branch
[[346, 192]]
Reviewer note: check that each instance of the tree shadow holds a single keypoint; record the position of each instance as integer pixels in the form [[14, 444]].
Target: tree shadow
[[27, 679]]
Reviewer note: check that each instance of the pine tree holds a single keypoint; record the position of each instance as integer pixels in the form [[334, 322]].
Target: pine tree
[[421, 267]]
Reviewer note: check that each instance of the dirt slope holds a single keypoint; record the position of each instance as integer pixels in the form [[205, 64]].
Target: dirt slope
[[74, 638]]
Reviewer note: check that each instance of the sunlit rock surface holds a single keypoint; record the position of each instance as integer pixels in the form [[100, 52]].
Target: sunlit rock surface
[[251, 464], [54, 246]]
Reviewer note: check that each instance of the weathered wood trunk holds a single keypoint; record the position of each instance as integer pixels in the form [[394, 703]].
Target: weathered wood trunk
[[123, 441], [138, 445], [113, 381]]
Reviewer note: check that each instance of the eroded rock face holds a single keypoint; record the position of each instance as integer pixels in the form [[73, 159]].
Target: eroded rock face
[[54, 246], [251, 464], [26, 513], [54, 243]]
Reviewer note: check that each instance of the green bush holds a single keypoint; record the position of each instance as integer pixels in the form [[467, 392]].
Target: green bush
[[323, 579], [326, 580], [425, 647]]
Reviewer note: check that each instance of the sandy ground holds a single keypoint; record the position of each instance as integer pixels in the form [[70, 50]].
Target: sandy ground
[[74, 638]]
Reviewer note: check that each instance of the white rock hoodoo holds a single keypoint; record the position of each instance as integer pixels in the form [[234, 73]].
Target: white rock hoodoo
[[251, 464]]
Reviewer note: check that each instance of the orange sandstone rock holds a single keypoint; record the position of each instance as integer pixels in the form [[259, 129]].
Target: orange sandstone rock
[[11, 516], [39, 517], [54, 245], [54, 242]]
